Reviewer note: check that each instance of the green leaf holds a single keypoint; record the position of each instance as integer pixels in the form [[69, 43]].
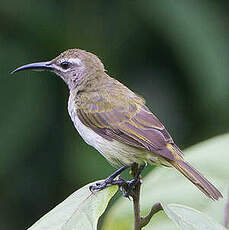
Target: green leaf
[[81, 210], [187, 218], [166, 185]]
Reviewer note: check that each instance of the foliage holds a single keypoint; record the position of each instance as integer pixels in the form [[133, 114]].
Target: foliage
[[167, 186], [190, 219], [81, 210]]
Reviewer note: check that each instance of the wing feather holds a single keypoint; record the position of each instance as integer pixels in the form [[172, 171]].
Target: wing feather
[[135, 126]]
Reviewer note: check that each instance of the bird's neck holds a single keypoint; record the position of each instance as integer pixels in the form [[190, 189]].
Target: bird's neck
[[84, 80], [89, 82]]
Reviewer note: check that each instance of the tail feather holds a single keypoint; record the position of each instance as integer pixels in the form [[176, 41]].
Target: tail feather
[[197, 179]]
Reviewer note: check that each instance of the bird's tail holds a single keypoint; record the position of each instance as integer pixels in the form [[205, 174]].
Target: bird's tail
[[196, 178]]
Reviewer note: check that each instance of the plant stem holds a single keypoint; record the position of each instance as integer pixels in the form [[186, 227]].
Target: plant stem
[[136, 204], [156, 208], [140, 222]]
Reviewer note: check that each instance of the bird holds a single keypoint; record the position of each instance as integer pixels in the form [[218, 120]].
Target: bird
[[115, 120]]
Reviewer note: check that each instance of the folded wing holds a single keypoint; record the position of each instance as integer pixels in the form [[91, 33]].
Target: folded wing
[[134, 125]]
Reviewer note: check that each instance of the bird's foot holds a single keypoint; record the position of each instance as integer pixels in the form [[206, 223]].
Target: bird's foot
[[108, 182], [127, 188]]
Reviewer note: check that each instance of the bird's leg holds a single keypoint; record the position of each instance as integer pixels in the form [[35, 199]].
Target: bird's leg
[[110, 180], [128, 186], [125, 186]]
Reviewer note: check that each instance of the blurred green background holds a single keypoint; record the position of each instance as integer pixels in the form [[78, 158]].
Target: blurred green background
[[174, 53]]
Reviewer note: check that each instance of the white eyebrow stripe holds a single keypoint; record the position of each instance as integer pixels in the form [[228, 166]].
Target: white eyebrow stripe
[[75, 61]]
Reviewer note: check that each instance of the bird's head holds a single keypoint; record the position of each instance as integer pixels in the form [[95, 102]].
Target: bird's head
[[73, 66]]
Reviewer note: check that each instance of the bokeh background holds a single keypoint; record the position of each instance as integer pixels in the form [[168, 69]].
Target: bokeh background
[[174, 53]]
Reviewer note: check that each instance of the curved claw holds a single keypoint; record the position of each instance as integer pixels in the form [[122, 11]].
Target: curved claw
[[102, 185], [126, 187]]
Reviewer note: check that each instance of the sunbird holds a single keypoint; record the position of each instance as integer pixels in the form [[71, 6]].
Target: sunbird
[[116, 121]]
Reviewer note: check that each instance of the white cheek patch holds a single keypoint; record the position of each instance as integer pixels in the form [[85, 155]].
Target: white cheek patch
[[56, 67], [59, 69]]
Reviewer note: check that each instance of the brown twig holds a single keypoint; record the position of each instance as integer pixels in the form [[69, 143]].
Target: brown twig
[[140, 222], [156, 208], [226, 212], [136, 204]]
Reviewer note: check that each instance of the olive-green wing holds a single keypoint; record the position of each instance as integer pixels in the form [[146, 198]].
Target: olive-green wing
[[134, 126]]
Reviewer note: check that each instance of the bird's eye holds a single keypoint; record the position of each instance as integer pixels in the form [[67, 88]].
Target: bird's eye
[[65, 64]]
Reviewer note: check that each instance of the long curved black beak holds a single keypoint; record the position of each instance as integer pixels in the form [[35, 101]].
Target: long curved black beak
[[38, 66]]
